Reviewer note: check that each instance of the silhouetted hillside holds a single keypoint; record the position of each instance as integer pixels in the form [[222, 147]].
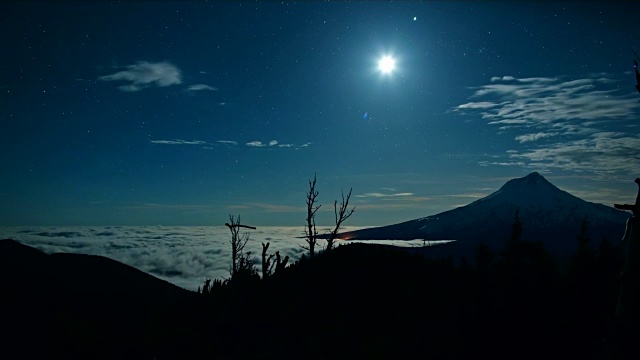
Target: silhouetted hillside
[[74, 304], [371, 301], [357, 301]]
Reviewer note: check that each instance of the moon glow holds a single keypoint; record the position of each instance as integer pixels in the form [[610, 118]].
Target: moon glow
[[386, 64]]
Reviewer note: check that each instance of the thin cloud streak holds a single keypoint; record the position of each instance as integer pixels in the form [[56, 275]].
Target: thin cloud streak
[[256, 144], [210, 146], [201, 87], [271, 143], [533, 137], [380, 195], [602, 153], [179, 142]]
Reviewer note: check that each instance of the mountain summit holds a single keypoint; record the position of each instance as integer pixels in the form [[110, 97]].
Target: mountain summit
[[526, 189], [548, 214]]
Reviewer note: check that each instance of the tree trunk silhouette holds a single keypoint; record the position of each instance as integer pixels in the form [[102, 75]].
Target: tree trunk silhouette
[[310, 229]]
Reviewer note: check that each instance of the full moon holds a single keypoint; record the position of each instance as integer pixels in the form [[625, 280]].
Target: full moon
[[387, 64]]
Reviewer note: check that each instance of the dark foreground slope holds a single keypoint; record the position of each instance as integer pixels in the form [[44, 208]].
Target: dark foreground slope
[[358, 301], [82, 306], [369, 301]]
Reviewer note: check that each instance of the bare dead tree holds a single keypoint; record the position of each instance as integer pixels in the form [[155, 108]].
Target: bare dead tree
[[280, 264], [340, 216], [240, 260], [310, 230], [267, 265]]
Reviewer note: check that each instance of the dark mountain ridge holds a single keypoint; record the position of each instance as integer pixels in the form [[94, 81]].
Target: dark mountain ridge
[[71, 304]]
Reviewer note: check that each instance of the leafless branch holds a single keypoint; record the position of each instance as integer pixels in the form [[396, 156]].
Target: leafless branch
[[341, 215], [280, 264], [238, 241], [267, 264]]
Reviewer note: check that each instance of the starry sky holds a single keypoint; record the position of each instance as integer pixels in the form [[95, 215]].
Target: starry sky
[[181, 113]]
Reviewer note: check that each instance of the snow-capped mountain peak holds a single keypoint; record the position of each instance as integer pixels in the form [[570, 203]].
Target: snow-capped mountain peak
[[530, 190], [548, 214]]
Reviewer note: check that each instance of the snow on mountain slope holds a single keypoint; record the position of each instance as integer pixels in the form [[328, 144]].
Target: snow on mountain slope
[[547, 213]]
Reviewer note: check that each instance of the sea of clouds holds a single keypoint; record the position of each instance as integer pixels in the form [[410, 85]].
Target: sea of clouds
[[182, 255]]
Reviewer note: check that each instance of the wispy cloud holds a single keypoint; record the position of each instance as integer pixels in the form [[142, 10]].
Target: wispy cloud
[[179, 142], [577, 124], [533, 137], [261, 144], [381, 195], [601, 153], [524, 80], [201, 87], [218, 143], [304, 145], [468, 196], [478, 105], [538, 101], [502, 163], [390, 200], [145, 74]]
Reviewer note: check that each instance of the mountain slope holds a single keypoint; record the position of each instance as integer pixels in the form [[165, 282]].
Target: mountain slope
[[548, 214], [89, 275], [70, 305]]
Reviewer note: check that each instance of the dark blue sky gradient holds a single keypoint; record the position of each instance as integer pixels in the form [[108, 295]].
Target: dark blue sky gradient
[[81, 147]]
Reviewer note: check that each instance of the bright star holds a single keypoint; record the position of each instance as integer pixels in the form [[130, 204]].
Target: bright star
[[387, 64]]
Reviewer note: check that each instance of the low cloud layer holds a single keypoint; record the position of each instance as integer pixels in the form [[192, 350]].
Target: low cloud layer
[[182, 255]]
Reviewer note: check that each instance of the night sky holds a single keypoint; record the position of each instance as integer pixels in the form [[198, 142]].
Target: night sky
[[180, 113]]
